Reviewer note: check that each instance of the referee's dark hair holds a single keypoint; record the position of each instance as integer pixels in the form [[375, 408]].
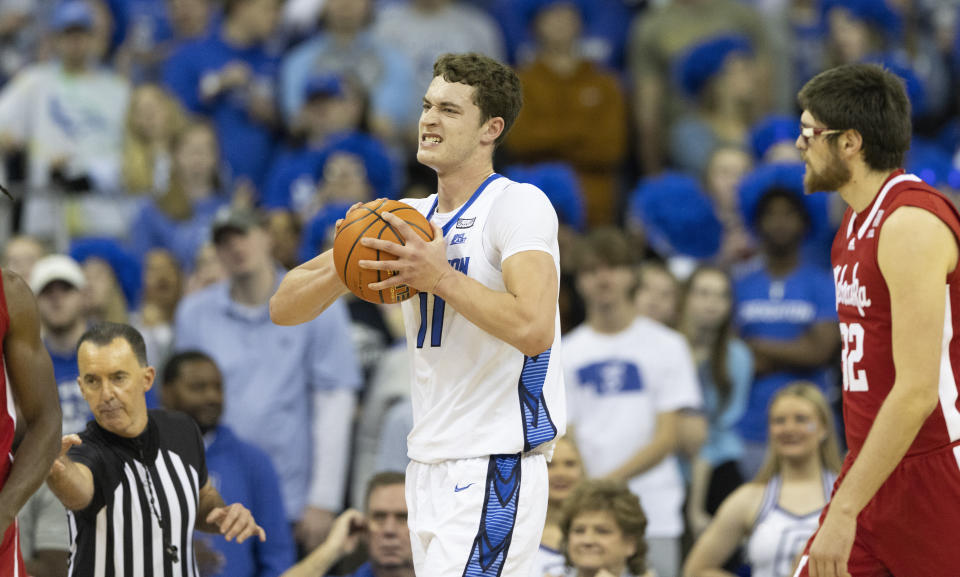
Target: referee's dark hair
[[171, 371], [382, 479], [102, 334]]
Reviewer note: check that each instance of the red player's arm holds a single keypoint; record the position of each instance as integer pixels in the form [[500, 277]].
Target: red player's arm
[[916, 251], [30, 374]]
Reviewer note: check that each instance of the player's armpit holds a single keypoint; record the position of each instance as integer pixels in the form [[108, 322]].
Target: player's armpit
[[916, 252], [306, 291]]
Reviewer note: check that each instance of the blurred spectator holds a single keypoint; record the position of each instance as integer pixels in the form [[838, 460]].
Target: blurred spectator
[[207, 269], [573, 111], [21, 253], [67, 114], [179, 219], [189, 19], [241, 472], [627, 380], [726, 168], [332, 124], [388, 539], [17, 36], [718, 76], [154, 121], [658, 37], [658, 293], [308, 373], [162, 289], [346, 47], [113, 278], [785, 312], [777, 511], [58, 282], [284, 229], [44, 535], [604, 527], [670, 206], [143, 37], [773, 139], [229, 76], [565, 471], [422, 30], [605, 27], [725, 370]]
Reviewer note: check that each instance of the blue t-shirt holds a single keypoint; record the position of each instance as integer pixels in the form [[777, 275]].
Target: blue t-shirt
[[781, 309], [76, 411], [724, 442], [242, 473], [246, 143], [153, 228]]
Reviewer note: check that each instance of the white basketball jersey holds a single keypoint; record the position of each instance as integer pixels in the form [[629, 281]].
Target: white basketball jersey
[[779, 536], [473, 394]]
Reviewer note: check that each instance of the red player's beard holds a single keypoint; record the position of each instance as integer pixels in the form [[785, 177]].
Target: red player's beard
[[830, 178]]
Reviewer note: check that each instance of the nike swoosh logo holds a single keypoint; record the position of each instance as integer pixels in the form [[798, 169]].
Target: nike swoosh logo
[[458, 488]]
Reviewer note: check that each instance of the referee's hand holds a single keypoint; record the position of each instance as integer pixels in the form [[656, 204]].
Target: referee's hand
[[65, 443], [236, 522]]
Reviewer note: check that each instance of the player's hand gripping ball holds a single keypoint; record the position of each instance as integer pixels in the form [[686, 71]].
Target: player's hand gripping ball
[[365, 221]]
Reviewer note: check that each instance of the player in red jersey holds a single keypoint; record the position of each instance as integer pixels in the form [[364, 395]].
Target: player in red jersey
[[896, 505], [27, 384]]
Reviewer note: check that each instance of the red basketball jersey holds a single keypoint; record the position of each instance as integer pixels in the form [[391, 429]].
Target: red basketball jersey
[[863, 308], [7, 410]]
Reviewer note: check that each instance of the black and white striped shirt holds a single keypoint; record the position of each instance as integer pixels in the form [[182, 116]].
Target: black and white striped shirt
[[120, 533]]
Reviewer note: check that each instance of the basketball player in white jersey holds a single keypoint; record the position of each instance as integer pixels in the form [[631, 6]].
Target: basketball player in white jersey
[[483, 334]]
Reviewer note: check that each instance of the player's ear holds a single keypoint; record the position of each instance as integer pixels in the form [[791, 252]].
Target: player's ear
[[493, 128]]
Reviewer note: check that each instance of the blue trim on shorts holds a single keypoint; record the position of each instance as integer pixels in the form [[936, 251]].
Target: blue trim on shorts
[[538, 427], [489, 551]]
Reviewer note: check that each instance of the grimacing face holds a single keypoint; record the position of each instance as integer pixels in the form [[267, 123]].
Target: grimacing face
[[450, 128], [114, 384]]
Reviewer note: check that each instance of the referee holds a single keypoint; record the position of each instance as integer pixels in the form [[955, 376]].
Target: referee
[[135, 482]]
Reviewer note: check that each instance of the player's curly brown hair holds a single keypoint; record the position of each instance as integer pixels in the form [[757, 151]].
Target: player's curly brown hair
[[616, 498], [497, 87]]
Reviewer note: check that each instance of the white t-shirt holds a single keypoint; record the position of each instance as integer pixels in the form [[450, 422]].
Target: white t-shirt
[[77, 116], [473, 394], [617, 384]]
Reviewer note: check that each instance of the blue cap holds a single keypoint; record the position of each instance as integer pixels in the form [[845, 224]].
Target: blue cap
[[677, 215], [125, 266], [373, 154], [559, 182], [773, 130], [323, 85], [932, 164], [72, 14], [876, 13], [704, 60], [785, 176]]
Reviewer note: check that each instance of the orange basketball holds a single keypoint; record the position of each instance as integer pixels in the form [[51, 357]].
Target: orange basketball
[[365, 221]]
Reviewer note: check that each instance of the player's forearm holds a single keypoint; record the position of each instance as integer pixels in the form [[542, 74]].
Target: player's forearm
[[521, 322], [894, 429], [306, 291], [31, 462], [71, 486]]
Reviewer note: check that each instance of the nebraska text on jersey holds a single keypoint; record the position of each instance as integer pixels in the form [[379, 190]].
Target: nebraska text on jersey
[[850, 293]]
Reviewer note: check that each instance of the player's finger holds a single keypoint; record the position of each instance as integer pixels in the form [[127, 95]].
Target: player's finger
[[246, 529], [379, 264], [403, 229], [232, 524], [437, 232], [384, 245], [392, 281]]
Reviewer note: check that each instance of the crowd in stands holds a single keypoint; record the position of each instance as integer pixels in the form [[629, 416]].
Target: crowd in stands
[[170, 159]]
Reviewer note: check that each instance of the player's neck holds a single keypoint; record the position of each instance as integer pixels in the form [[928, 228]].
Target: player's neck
[[456, 187], [611, 319], [863, 187], [801, 469]]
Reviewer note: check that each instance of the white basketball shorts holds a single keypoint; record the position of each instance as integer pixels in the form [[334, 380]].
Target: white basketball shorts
[[477, 517]]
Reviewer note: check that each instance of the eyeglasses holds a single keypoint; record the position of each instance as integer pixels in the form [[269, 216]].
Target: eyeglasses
[[809, 132]]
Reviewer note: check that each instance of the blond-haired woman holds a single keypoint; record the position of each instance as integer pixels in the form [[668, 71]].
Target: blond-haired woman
[[565, 472], [154, 121], [778, 510]]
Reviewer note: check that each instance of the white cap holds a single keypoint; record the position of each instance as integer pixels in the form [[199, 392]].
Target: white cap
[[56, 267]]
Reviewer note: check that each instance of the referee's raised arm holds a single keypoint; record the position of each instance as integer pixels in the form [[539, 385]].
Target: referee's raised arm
[[71, 482]]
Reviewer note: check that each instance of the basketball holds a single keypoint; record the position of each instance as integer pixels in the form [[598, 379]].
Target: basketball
[[365, 221]]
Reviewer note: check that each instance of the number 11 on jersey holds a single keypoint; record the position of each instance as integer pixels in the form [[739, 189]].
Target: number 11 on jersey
[[854, 379], [435, 319]]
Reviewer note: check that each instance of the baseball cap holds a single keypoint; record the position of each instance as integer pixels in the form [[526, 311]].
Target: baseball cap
[[56, 267], [323, 85], [72, 14], [233, 219]]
